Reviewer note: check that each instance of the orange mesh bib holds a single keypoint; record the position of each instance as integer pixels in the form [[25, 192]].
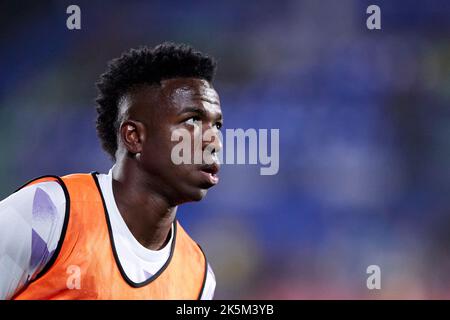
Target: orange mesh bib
[[86, 251]]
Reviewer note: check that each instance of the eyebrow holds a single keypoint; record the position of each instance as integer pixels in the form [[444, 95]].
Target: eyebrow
[[200, 111]]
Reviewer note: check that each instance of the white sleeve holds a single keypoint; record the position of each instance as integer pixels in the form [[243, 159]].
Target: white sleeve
[[210, 285], [31, 222]]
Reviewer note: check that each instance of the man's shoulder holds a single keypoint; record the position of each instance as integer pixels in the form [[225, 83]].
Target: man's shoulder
[[41, 192]]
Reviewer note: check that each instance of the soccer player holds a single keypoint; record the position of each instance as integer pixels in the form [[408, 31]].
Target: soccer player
[[115, 235]]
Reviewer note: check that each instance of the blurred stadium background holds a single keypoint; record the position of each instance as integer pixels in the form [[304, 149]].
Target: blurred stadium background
[[364, 123]]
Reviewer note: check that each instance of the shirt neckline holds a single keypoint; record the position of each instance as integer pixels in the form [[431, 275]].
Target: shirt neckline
[[120, 227]]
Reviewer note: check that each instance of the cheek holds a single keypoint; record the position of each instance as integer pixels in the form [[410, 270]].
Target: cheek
[[157, 150], [160, 140], [187, 137], [197, 139]]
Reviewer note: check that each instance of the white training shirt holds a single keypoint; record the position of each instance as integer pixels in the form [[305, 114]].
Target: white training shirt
[[31, 222]]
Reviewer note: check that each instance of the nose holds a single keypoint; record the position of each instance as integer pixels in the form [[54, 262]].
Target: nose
[[212, 140]]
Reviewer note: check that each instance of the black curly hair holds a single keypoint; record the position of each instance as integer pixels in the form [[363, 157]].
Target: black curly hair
[[143, 66]]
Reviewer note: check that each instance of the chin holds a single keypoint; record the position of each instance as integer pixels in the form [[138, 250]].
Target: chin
[[194, 195], [199, 195]]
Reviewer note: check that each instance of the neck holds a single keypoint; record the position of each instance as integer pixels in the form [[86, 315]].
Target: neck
[[148, 215]]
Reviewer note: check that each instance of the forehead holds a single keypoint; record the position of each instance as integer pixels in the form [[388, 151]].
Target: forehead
[[184, 91], [171, 97]]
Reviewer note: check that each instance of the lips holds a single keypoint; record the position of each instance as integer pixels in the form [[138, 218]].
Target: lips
[[210, 172], [210, 168]]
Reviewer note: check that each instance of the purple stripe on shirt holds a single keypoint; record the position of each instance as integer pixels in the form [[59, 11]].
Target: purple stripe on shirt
[[39, 251], [43, 207], [147, 275]]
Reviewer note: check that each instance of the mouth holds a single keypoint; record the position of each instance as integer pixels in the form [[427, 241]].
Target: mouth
[[210, 171]]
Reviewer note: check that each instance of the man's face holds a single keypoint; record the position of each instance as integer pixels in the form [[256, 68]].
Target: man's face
[[182, 103]]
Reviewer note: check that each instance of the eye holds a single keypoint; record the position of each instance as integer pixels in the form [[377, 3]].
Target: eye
[[194, 121], [218, 125]]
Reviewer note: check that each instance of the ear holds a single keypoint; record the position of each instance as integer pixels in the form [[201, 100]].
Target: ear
[[132, 134]]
